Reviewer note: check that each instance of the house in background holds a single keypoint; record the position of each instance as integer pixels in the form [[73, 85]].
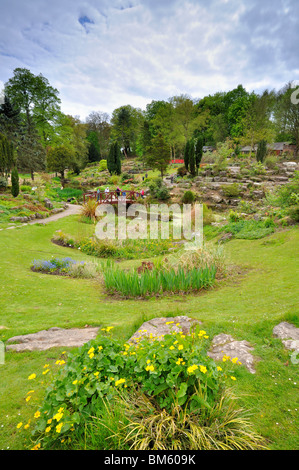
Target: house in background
[[277, 148]]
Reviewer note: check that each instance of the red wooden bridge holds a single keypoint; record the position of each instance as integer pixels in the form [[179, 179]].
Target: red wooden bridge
[[112, 197]]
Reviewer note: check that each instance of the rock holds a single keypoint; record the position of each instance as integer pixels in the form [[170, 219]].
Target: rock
[[289, 334], [225, 238], [157, 327], [54, 337], [19, 219], [216, 198], [48, 203], [57, 210], [257, 194], [226, 345]]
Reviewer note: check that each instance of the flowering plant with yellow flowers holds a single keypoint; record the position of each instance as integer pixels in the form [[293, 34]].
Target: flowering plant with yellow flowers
[[172, 368]]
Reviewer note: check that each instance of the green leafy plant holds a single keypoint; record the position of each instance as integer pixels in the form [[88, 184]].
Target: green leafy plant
[[168, 377]]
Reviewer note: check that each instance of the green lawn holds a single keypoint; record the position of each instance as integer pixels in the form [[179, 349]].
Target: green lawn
[[246, 305]]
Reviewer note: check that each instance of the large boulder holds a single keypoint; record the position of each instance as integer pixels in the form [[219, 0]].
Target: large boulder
[[223, 344], [53, 337]]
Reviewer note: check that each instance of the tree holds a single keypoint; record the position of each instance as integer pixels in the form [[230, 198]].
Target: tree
[[198, 151], [158, 154], [192, 158], [187, 155], [98, 122], [261, 151], [7, 159], [94, 152], [15, 182], [114, 159], [59, 159], [126, 123], [257, 125], [36, 99], [9, 119], [286, 113]]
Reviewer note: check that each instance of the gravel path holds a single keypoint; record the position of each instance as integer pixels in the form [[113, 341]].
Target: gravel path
[[71, 209]]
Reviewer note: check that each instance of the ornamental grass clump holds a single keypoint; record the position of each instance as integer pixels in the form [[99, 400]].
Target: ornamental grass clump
[[151, 393], [158, 281]]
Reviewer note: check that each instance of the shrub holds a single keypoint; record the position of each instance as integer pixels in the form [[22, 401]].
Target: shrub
[[25, 188], [250, 229], [89, 209], [188, 197], [15, 189], [3, 182], [182, 171], [103, 165], [158, 189], [164, 386], [231, 190], [271, 162]]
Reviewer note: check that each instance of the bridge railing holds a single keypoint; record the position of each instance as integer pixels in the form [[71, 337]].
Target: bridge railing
[[112, 197]]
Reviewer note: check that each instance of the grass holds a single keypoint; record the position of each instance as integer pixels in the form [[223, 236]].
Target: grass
[[261, 292]]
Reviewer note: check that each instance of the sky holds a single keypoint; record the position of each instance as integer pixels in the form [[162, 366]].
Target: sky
[[103, 54]]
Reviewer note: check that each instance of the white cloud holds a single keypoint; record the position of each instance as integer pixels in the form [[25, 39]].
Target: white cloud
[[102, 54]]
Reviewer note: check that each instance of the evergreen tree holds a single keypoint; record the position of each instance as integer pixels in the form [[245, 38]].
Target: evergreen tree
[[15, 182], [261, 151], [192, 158], [187, 154], [198, 152], [6, 155], [158, 154], [114, 160]]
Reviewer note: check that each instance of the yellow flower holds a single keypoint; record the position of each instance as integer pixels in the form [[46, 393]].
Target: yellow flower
[[58, 427], [46, 366], [234, 360], [178, 362], [26, 425], [48, 429], [46, 371], [191, 369], [232, 377], [203, 369], [96, 374], [219, 368], [202, 333], [91, 350], [32, 376], [49, 421], [100, 348], [225, 358], [151, 368], [169, 322], [19, 425], [36, 447], [74, 382], [37, 414], [148, 361], [91, 355], [109, 328], [180, 347], [58, 416], [28, 398], [171, 347], [119, 382]]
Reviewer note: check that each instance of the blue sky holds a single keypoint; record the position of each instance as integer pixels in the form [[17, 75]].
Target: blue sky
[[102, 54]]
